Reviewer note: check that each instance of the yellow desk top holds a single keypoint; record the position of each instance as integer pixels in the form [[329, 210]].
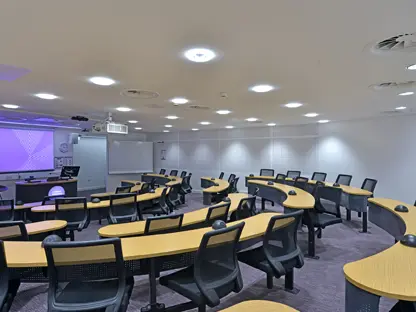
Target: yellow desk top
[[134, 189], [137, 182], [269, 178], [302, 199], [156, 175], [31, 254], [27, 205], [104, 203], [345, 188], [259, 305], [390, 273], [137, 228], [222, 185], [43, 181], [36, 228]]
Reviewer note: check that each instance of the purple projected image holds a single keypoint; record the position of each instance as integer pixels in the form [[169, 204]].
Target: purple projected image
[[26, 150]]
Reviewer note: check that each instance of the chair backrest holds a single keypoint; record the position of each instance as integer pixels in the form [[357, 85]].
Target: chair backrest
[[152, 183], [280, 178], [50, 200], [72, 209], [163, 224], [183, 173], [301, 182], [221, 175], [185, 185], [318, 176], [246, 208], [216, 264], [173, 173], [329, 193], [280, 243], [344, 179], [231, 177], [77, 261], [217, 212], [13, 230], [233, 186], [293, 174], [267, 172], [174, 191], [163, 201], [145, 188], [6, 209], [123, 207], [162, 171], [369, 185], [123, 189]]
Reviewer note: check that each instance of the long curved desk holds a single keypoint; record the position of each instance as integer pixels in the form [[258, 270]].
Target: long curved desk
[[189, 219], [211, 187], [36, 228], [36, 191], [161, 179], [134, 189], [256, 177], [390, 273], [259, 305]]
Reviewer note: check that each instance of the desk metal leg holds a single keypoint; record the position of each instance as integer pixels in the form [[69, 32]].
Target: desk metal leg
[[311, 235], [289, 281], [153, 306], [348, 215], [263, 204], [364, 221]]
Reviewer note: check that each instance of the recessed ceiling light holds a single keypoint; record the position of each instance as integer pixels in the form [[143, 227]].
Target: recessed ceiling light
[[401, 108], [102, 81], [10, 106], [46, 96], [179, 101], [311, 115], [165, 130], [411, 67], [251, 119], [133, 121], [223, 112], [293, 105], [123, 109], [262, 88], [195, 129], [205, 123], [172, 117], [168, 126], [323, 121], [200, 55], [272, 124], [138, 128], [406, 93], [229, 127]]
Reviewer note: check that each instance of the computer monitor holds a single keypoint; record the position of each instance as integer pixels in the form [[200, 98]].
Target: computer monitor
[[69, 171]]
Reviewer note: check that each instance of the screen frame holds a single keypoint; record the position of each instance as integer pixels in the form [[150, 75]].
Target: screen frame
[[53, 149]]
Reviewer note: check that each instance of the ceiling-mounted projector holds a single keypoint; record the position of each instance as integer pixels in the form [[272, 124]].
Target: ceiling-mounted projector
[[110, 127]]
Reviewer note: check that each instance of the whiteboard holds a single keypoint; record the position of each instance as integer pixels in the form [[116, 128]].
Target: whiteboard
[[129, 157]]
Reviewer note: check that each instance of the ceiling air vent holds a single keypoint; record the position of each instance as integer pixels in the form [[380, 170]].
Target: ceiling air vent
[[394, 85], [199, 107], [139, 94], [402, 42]]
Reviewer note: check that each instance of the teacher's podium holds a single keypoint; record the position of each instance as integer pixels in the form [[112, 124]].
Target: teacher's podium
[[36, 190]]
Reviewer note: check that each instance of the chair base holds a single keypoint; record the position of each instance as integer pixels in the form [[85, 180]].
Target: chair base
[[153, 307]]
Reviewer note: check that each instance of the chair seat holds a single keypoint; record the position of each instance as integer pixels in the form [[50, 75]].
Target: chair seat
[[323, 220]]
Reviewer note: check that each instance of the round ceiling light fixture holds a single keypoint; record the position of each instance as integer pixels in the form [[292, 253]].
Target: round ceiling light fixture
[[123, 109], [252, 119], [262, 88], [311, 115], [200, 55], [46, 96], [223, 112], [293, 105], [10, 106], [102, 81], [271, 124], [179, 101]]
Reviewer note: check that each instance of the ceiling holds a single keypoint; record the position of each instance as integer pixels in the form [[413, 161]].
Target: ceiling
[[315, 52]]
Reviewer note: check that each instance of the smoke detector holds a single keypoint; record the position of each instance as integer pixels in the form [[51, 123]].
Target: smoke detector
[[199, 107], [400, 43], [139, 94]]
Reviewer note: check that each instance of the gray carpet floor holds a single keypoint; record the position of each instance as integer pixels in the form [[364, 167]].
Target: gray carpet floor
[[321, 282]]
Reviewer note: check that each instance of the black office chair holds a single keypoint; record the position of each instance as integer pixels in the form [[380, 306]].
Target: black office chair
[[280, 254], [301, 182], [344, 179], [221, 175], [74, 211], [162, 171], [8, 287], [215, 272], [233, 186], [217, 212], [174, 195], [123, 208], [163, 224], [13, 231], [145, 188], [293, 174], [231, 177], [50, 200], [369, 185], [186, 188], [280, 178], [183, 174], [267, 172], [323, 215], [123, 189], [89, 286], [153, 183], [161, 208], [256, 191], [6, 210], [246, 208], [318, 176], [173, 173]]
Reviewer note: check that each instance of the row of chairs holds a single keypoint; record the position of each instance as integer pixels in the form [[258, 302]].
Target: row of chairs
[[173, 173]]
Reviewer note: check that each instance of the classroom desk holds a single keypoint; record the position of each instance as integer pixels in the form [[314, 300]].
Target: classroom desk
[[390, 273], [256, 177], [279, 193], [190, 218], [29, 192], [210, 188], [104, 196], [36, 228], [259, 305], [161, 179]]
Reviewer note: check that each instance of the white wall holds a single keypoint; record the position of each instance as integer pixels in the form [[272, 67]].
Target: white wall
[[382, 148]]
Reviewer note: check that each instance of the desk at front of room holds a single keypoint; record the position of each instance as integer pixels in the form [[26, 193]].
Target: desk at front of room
[[35, 191]]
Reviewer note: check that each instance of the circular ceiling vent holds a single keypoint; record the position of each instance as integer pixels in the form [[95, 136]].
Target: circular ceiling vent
[[139, 94], [393, 85], [199, 107], [398, 43]]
